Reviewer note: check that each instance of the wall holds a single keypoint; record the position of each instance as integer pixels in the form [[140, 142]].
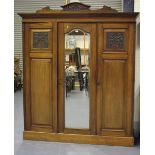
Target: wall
[[137, 74], [28, 6]]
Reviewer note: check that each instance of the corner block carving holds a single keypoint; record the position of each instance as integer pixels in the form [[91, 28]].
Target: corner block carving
[[107, 9], [44, 10]]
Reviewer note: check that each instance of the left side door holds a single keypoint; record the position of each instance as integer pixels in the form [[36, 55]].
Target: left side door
[[39, 78]]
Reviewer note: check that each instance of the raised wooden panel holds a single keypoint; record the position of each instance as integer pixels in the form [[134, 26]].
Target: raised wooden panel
[[113, 93], [112, 106], [41, 95]]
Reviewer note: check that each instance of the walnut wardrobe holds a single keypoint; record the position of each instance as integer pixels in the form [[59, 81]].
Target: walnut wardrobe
[[102, 80]]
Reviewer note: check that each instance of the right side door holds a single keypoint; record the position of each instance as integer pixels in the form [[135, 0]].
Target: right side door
[[115, 79]]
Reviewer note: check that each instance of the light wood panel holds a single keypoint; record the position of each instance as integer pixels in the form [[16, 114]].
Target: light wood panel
[[112, 106], [113, 93], [61, 79], [41, 95], [26, 78], [77, 138], [130, 85], [41, 55]]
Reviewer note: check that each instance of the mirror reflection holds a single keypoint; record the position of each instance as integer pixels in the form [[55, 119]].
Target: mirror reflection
[[77, 72]]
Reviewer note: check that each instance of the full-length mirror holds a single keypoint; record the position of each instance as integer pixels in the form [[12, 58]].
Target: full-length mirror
[[77, 73]]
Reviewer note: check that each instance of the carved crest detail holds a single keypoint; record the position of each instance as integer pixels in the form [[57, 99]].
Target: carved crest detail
[[75, 7]]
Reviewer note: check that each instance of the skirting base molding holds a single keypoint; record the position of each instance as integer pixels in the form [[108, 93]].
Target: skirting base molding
[[76, 138]]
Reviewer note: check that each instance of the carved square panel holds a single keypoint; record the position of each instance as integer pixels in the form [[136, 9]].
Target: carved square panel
[[115, 40], [40, 39]]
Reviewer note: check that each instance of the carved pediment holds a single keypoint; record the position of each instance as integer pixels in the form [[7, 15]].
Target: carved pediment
[[75, 7], [106, 9]]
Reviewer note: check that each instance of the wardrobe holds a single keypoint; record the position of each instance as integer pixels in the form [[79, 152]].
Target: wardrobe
[[103, 114]]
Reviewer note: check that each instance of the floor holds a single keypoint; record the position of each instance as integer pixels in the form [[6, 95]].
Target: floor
[[26, 147], [77, 109]]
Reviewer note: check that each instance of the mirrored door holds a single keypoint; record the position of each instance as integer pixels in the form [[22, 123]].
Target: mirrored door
[[77, 58], [77, 73]]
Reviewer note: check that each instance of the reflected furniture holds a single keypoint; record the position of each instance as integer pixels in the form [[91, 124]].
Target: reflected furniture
[[17, 75], [112, 52]]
